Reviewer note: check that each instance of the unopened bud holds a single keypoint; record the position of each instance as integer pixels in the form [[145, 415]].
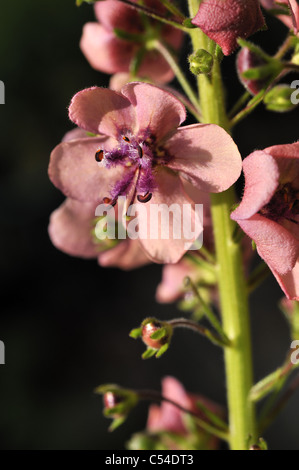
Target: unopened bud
[[279, 99], [200, 62], [247, 60], [155, 334], [118, 403], [224, 21]]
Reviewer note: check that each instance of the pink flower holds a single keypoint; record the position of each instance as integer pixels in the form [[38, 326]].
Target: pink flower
[[291, 18], [140, 152], [108, 53], [269, 211], [168, 417], [225, 21], [71, 231]]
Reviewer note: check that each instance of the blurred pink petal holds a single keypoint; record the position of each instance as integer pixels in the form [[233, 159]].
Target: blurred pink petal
[[108, 53], [126, 255], [70, 229], [104, 51], [172, 285]]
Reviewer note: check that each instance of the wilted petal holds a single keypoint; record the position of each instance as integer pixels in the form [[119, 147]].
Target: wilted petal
[[70, 228], [262, 179], [275, 244], [102, 111], [157, 110], [207, 155], [75, 172]]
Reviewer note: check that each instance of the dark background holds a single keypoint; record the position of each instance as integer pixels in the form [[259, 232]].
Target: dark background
[[65, 321]]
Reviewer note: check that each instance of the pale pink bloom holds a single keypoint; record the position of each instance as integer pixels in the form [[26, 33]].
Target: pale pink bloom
[[225, 21], [108, 53], [168, 417], [71, 231], [269, 211], [140, 152], [291, 20]]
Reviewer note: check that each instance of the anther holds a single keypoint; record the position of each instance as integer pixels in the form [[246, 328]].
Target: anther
[[140, 151], [126, 139], [109, 201], [99, 155], [147, 197]]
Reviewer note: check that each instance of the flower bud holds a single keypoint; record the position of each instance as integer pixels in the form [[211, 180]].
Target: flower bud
[[224, 21], [118, 403], [155, 334], [200, 61], [279, 99], [247, 60]]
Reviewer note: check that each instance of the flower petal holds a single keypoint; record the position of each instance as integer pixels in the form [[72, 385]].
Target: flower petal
[[157, 110], [206, 155], [261, 181], [168, 417], [104, 51], [166, 241], [171, 287], [75, 172], [70, 228], [102, 111], [289, 282], [126, 255], [114, 14], [277, 247], [287, 158]]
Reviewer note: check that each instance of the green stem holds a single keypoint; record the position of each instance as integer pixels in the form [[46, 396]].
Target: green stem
[[171, 60], [202, 330], [231, 279], [173, 9], [156, 16]]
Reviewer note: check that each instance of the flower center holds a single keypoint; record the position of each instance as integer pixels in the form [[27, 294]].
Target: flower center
[[283, 205], [139, 156]]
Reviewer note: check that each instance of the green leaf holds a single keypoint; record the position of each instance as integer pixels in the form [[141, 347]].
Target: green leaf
[[80, 2], [149, 353], [159, 334], [116, 423], [135, 333], [212, 416], [162, 350], [125, 35]]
